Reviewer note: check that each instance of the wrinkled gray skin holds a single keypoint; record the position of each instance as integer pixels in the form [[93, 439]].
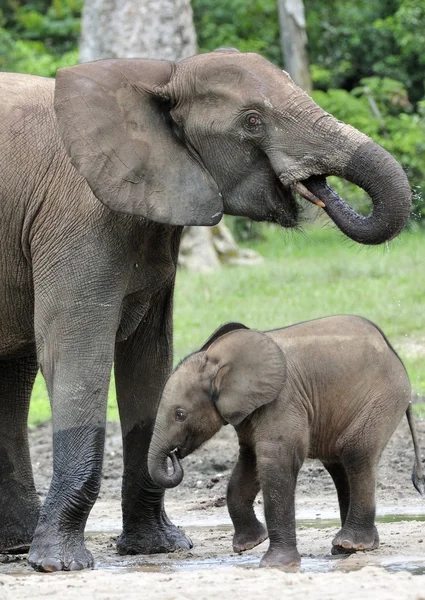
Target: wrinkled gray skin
[[332, 389], [98, 174]]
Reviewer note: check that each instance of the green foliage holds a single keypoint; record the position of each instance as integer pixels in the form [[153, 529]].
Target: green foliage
[[248, 26], [352, 40], [348, 40], [39, 37], [406, 25]]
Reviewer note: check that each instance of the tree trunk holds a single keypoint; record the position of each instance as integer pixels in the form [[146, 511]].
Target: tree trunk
[[294, 41], [204, 249], [161, 29], [137, 29]]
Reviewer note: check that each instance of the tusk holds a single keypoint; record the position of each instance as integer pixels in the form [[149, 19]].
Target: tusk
[[305, 193]]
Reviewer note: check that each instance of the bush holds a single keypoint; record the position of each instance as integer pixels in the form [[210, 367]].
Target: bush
[[39, 37]]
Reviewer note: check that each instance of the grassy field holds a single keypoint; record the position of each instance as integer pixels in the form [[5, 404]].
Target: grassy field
[[303, 276]]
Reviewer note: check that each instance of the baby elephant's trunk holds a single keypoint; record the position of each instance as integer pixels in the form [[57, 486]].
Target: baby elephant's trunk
[[158, 467], [417, 473]]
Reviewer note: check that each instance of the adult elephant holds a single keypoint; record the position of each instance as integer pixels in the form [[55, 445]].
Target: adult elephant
[[98, 176]]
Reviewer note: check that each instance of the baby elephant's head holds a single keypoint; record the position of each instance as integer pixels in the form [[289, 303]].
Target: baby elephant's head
[[235, 372]]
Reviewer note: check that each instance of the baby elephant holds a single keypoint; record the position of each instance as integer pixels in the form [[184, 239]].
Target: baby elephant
[[332, 389]]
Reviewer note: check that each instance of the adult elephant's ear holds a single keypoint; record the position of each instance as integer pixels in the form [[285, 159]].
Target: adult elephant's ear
[[116, 127], [222, 330], [248, 370]]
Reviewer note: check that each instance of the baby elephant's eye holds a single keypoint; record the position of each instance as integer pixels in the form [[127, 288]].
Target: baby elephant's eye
[[180, 414]]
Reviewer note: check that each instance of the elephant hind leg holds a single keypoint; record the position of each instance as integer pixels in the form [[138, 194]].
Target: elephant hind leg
[[358, 531], [340, 479], [19, 503], [142, 365]]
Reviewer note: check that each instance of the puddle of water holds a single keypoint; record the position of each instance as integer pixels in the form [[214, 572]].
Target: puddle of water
[[309, 519], [320, 564], [305, 517], [319, 523], [313, 565], [411, 564]]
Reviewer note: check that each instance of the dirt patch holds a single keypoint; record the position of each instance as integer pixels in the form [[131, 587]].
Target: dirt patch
[[211, 568]]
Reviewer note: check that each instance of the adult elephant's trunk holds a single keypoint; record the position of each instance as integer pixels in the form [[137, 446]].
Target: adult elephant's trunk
[[378, 173], [158, 466]]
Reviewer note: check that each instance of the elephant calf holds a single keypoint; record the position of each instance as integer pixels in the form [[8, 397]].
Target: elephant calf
[[332, 389]]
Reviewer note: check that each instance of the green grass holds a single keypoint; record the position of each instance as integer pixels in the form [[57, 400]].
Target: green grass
[[419, 410], [304, 276]]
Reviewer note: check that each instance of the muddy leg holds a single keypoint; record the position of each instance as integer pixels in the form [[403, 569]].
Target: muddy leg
[[75, 326], [19, 503], [142, 364]]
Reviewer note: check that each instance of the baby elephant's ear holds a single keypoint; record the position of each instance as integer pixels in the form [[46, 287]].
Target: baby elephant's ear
[[250, 371], [222, 330]]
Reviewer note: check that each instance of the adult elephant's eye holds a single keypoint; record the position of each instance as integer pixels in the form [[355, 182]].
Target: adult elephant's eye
[[253, 120], [180, 414]]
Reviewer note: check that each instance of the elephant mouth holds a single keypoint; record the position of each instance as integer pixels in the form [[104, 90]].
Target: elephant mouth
[[303, 188], [178, 453], [286, 211], [316, 190]]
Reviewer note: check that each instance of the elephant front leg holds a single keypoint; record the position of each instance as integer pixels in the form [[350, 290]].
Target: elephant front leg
[[58, 543], [76, 354], [78, 388], [278, 469], [142, 364], [241, 492]]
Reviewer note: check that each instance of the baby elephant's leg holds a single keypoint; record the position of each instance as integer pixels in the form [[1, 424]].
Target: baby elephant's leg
[[358, 531], [241, 492], [278, 469]]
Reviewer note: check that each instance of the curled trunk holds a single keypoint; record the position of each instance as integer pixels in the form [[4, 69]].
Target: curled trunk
[[379, 174], [158, 467]]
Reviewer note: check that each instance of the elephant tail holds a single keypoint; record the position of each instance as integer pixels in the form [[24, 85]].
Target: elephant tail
[[417, 473]]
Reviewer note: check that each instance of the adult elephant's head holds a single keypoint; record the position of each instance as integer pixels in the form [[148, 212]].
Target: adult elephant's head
[[224, 132]]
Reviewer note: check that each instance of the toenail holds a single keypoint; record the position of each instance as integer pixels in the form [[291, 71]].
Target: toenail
[[51, 564]]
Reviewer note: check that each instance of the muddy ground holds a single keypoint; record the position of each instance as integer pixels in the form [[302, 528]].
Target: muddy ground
[[211, 569]]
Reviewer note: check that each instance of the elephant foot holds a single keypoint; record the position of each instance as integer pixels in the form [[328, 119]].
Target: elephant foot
[[153, 538], [17, 540], [18, 524], [286, 559], [17, 547], [348, 541], [56, 553], [249, 537]]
